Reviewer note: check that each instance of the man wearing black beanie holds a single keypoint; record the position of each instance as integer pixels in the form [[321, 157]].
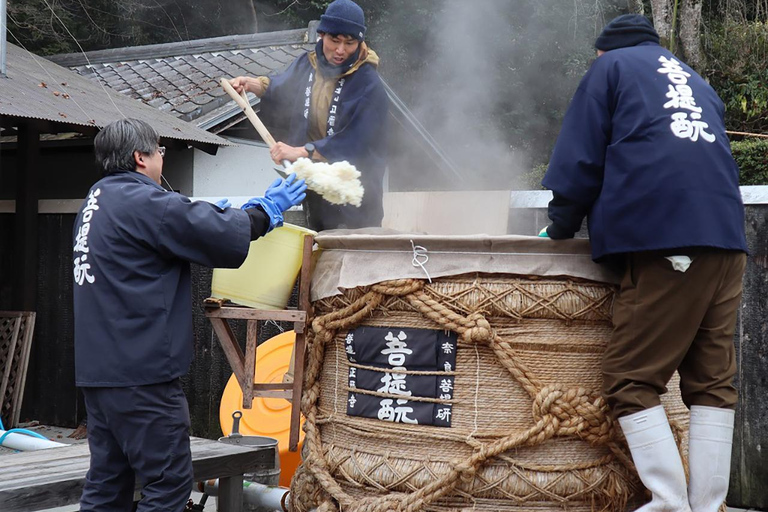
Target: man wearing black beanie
[[643, 154], [330, 105], [625, 31]]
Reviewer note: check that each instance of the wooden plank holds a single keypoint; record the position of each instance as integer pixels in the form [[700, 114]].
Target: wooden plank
[[298, 382], [288, 395], [51, 395], [43, 479], [231, 494], [305, 279], [237, 313], [273, 386], [26, 339], [231, 349], [447, 213], [251, 338], [750, 465], [7, 357], [26, 221], [43, 496]]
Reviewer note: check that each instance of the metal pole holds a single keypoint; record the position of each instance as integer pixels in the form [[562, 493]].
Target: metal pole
[[2, 36]]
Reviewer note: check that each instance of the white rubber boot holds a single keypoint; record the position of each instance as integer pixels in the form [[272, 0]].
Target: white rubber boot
[[709, 457], [657, 460]]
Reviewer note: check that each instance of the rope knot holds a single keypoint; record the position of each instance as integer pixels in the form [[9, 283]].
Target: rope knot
[[574, 411], [318, 325], [478, 329], [466, 471]]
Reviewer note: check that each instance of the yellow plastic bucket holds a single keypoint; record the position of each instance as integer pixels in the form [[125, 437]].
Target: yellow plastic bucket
[[270, 417], [266, 277]]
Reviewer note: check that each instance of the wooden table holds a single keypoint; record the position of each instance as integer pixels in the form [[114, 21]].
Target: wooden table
[[54, 477]]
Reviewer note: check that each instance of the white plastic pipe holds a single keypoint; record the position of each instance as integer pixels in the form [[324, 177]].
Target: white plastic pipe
[[24, 442], [259, 495]]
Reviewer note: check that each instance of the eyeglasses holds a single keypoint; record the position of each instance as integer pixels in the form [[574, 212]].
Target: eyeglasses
[[161, 150]]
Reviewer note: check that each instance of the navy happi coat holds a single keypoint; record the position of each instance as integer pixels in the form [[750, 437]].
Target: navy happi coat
[[132, 292], [359, 136], [644, 154]]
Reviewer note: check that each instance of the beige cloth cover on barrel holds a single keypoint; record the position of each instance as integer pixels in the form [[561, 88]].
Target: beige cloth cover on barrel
[[529, 430]]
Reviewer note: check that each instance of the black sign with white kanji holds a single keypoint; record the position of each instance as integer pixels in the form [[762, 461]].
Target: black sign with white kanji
[[394, 351]]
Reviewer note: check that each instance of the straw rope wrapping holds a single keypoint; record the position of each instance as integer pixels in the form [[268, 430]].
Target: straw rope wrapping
[[557, 410]]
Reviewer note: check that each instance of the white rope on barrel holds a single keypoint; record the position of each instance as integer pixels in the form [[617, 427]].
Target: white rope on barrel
[[420, 252]]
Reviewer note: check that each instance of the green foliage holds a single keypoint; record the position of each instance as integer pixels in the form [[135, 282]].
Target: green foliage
[[531, 180], [737, 56], [752, 157]]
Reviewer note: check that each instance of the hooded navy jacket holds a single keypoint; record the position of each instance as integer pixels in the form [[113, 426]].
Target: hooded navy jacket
[[643, 152], [359, 138], [132, 293]]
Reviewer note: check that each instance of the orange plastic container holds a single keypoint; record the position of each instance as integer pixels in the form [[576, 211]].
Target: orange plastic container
[[269, 417]]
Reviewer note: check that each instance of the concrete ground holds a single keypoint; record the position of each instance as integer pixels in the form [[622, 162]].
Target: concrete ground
[[60, 435]]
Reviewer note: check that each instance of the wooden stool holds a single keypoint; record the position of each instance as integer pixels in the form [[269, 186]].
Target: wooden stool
[[244, 365]]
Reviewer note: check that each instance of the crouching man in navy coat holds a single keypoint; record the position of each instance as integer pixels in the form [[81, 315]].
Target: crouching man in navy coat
[[644, 154], [133, 245]]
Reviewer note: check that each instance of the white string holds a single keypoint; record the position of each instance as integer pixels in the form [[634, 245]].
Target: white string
[[420, 252], [53, 80], [275, 324], [84, 55], [170, 188]]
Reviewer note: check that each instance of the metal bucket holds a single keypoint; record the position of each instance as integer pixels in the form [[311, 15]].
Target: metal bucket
[[268, 476]]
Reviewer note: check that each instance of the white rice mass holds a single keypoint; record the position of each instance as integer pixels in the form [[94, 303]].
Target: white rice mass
[[337, 183]]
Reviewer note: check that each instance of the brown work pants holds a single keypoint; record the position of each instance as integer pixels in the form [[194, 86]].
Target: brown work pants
[[666, 320]]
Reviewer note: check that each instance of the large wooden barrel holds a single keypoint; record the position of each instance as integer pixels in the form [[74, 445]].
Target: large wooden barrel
[[525, 427]]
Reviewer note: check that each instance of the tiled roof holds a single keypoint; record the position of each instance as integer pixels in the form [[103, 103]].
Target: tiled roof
[[182, 78], [35, 88]]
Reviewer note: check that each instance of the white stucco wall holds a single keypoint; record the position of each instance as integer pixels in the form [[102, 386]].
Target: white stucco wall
[[243, 170]]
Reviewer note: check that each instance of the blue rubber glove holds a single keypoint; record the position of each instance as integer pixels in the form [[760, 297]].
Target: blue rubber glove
[[543, 233], [281, 195], [223, 203], [286, 192]]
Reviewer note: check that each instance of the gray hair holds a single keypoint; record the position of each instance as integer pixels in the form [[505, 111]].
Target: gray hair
[[115, 144]]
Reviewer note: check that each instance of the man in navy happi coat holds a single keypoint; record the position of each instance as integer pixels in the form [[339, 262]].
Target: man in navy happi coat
[[332, 106], [644, 154], [133, 244]]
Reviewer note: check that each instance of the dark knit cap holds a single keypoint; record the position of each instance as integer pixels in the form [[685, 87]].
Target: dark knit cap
[[343, 17], [626, 30]]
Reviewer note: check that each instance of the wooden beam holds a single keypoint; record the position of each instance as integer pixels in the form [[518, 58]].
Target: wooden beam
[[251, 340], [26, 219], [748, 134], [242, 313], [231, 493], [305, 304], [231, 349]]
